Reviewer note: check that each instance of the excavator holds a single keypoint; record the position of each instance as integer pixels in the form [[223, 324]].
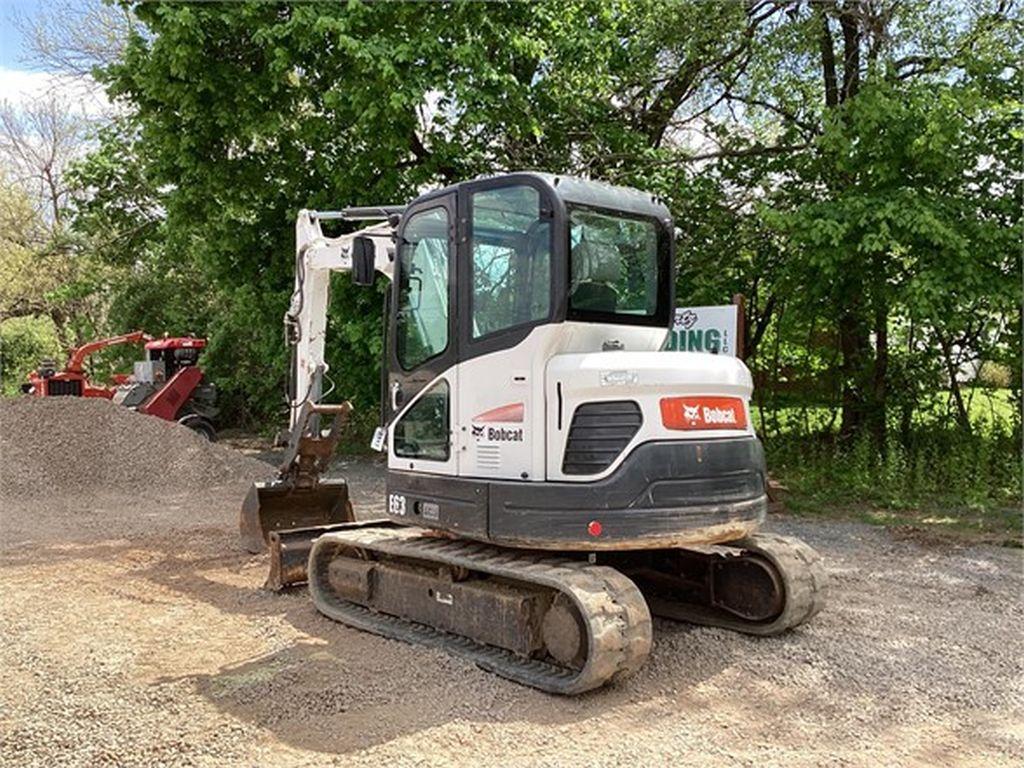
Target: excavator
[[554, 478]]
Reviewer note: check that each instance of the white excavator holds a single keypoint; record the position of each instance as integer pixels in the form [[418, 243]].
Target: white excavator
[[554, 477]]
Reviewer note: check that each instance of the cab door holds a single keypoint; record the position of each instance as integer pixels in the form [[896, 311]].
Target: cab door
[[421, 386], [507, 290]]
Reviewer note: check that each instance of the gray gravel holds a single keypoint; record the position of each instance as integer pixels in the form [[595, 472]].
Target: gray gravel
[[128, 643], [54, 446]]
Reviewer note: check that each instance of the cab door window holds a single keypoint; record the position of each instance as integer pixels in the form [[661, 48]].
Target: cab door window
[[511, 259], [619, 268], [423, 431], [421, 317]]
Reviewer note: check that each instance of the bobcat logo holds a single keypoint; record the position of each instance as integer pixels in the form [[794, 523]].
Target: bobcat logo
[[478, 431], [691, 413], [687, 319]]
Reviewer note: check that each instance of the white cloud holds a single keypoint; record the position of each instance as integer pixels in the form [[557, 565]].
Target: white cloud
[[20, 87]]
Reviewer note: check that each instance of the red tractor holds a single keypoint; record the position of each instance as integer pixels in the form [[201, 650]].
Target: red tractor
[[168, 384]]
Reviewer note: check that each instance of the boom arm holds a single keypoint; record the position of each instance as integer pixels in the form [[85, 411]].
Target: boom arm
[[78, 355], [316, 256]]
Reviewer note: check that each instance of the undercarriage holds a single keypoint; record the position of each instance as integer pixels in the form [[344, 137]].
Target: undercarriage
[[563, 624]]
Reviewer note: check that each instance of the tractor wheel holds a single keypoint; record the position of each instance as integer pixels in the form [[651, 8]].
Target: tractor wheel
[[201, 425]]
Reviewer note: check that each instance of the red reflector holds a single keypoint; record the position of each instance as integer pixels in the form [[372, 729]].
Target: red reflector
[[594, 528], [703, 413]]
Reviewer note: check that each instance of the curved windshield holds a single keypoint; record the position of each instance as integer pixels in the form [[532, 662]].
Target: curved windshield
[[616, 265]]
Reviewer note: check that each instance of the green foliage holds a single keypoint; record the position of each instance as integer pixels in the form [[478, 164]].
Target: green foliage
[[24, 341], [245, 112], [975, 477], [942, 479], [874, 227]]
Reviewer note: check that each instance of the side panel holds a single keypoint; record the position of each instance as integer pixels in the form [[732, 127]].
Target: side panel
[[457, 505], [507, 411], [168, 400], [500, 423]]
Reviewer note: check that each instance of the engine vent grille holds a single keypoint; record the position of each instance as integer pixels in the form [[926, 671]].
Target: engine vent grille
[[598, 434], [65, 387], [488, 456]]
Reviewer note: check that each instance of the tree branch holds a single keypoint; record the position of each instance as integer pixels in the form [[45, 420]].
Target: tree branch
[[680, 85], [780, 111], [828, 59]]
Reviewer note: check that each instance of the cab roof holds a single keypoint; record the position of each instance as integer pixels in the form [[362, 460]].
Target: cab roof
[[577, 191]]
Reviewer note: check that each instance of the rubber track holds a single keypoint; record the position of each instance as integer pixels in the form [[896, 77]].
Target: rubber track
[[805, 587], [615, 614]]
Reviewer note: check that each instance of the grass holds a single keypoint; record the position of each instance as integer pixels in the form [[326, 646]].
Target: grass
[[943, 483], [986, 408]]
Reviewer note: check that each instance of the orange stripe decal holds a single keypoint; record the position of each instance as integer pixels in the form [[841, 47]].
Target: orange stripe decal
[[513, 412]]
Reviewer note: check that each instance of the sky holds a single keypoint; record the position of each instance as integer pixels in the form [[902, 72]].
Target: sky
[[11, 43], [20, 79]]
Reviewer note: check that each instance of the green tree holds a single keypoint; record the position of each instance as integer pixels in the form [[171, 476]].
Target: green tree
[[900, 215], [841, 162], [245, 112]]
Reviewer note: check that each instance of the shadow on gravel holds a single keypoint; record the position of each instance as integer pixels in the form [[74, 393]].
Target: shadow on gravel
[[877, 661], [342, 690]]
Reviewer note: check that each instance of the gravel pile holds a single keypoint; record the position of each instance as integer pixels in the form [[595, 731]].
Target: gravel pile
[[65, 445]]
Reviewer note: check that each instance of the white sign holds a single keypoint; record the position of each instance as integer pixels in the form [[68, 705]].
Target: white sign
[[705, 329]]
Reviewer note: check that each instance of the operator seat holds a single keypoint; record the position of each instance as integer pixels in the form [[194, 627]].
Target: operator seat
[[596, 270]]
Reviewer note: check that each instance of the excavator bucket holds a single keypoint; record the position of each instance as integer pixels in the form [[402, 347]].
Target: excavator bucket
[[289, 552], [299, 498], [278, 506]]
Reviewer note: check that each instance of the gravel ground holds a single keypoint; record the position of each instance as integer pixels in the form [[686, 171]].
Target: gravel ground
[[135, 633]]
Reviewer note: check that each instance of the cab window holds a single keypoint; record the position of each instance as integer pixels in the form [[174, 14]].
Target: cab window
[[614, 264], [511, 256], [421, 317], [422, 432]]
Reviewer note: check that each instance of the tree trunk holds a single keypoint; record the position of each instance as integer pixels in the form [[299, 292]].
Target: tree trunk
[[855, 368], [906, 404], [963, 419], [849, 23], [828, 61], [864, 376], [878, 417]]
